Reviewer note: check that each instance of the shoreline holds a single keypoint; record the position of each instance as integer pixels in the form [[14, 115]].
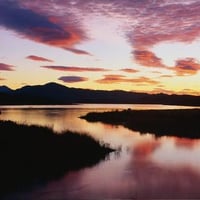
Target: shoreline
[[177, 122]]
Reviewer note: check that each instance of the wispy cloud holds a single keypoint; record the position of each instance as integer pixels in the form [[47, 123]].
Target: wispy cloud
[[148, 23], [166, 76], [162, 90], [160, 21], [61, 23], [72, 79], [75, 69], [38, 58], [144, 24], [189, 91], [6, 67], [78, 51], [129, 70], [159, 90], [109, 79], [145, 80]]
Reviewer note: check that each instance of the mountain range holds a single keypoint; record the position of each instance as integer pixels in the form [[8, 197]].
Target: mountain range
[[54, 94]]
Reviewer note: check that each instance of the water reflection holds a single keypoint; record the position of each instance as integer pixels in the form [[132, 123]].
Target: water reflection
[[140, 174], [145, 167], [157, 176], [68, 119]]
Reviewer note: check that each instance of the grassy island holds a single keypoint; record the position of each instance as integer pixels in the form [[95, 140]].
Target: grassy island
[[181, 123], [31, 153]]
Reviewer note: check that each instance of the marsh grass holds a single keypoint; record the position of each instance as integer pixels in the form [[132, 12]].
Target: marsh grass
[[31, 153], [180, 122]]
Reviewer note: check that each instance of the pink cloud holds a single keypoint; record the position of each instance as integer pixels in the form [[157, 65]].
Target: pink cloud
[[109, 79], [188, 66], [66, 23], [75, 69], [147, 58], [164, 21], [129, 70], [43, 27], [183, 67], [148, 24], [6, 67], [38, 58]]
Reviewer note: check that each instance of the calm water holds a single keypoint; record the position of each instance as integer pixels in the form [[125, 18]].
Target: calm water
[[146, 167]]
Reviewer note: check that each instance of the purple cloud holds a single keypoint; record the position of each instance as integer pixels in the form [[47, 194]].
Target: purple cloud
[[65, 23], [6, 67], [75, 69], [38, 58], [38, 26], [78, 51], [72, 79], [188, 66]]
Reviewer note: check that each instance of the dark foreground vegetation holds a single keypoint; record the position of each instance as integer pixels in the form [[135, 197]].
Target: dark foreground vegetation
[[181, 123], [32, 154]]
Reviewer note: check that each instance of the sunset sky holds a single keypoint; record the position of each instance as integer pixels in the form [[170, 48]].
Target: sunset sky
[[135, 45]]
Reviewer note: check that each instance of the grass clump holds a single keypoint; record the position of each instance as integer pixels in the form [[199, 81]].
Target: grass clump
[[31, 153]]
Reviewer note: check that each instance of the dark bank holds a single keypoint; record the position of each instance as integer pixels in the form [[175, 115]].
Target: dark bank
[[31, 154], [181, 123]]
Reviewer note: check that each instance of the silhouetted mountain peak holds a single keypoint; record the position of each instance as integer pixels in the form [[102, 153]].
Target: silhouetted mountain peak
[[48, 86], [5, 89], [54, 85], [54, 93]]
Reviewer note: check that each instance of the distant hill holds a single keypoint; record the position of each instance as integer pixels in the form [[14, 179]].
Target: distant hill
[[53, 93], [5, 89]]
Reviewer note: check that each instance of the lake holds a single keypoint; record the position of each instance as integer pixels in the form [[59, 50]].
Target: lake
[[144, 167]]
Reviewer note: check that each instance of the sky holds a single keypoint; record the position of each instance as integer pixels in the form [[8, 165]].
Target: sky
[[148, 46]]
